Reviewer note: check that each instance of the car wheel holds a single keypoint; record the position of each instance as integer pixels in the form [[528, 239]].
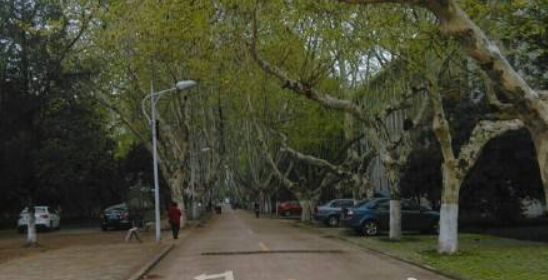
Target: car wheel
[[333, 221], [370, 228], [104, 228], [287, 214]]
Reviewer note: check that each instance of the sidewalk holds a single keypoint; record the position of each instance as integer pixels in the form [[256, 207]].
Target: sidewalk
[[86, 262], [100, 262]]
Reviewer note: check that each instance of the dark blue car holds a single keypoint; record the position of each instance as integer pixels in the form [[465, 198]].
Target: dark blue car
[[373, 216]]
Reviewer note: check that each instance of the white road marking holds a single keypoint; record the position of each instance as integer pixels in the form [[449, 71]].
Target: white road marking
[[227, 275]]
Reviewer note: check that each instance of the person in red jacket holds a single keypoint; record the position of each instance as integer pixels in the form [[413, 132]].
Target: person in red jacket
[[174, 214]]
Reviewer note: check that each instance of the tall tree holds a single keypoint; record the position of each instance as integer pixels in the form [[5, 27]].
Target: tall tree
[[40, 84], [525, 103]]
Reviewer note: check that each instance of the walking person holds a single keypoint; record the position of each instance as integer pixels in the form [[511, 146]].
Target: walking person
[[174, 215]]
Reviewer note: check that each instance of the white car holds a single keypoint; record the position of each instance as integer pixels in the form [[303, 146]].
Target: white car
[[46, 219]]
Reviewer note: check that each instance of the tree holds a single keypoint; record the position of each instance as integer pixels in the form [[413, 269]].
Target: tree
[[455, 168], [526, 104], [393, 152], [41, 79]]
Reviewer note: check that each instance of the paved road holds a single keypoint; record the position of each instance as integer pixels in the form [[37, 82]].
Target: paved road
[[266, 249]]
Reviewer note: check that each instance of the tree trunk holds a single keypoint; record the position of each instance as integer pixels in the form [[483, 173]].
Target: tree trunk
[[395, 219], [448, 239], [393, 175], [307, 205], [269, 203], [369, 192], [367, 189], [540, 140], [31, 226]]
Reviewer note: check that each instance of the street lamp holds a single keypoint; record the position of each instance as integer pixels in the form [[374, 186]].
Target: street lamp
[[154, 98]]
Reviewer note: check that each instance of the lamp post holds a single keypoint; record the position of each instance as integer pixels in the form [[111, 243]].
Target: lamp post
[[154, 97]]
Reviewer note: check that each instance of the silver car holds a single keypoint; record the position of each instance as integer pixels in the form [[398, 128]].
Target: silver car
[[330, 213]]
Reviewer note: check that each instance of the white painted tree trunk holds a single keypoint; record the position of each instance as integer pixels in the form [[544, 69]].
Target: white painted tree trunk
[[395, 219], [448, 240], [393, 175], [31, 229]]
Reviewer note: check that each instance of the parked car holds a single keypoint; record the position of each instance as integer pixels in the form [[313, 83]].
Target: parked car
[[116, 217], [373, 216], [289, 208], [45, 219], [330, 213]]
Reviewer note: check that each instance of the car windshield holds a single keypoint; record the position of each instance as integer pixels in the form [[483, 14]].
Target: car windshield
[[372, 203], [37, 209], [117, 207], [361, 203]]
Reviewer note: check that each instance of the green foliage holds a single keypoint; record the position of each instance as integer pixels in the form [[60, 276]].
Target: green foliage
[[521, 28], [114, 50], [56, 147]]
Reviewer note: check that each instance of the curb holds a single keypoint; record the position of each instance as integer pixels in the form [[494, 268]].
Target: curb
[[150, 264], [388, 255]]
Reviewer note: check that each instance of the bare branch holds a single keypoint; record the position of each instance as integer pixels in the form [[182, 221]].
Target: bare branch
[[422, 111], [282, 177], [440, 124], [483, 133], [492, 96], [300, 87], [316, 161]]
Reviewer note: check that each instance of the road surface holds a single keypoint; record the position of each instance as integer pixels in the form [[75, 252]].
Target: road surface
[[237, 246]]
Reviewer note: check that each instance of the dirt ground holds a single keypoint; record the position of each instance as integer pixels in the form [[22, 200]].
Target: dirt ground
[[12, 244]]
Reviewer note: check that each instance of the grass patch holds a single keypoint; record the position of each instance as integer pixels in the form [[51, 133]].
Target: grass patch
[[481, 257]]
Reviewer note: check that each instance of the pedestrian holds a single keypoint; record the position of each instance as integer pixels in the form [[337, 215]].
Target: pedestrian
[[257, 209], [174, 215]]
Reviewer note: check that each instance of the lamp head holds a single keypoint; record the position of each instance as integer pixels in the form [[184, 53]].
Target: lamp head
[[182, 85]]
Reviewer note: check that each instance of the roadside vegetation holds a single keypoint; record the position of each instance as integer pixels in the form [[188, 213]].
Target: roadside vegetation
[[480, 257]]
